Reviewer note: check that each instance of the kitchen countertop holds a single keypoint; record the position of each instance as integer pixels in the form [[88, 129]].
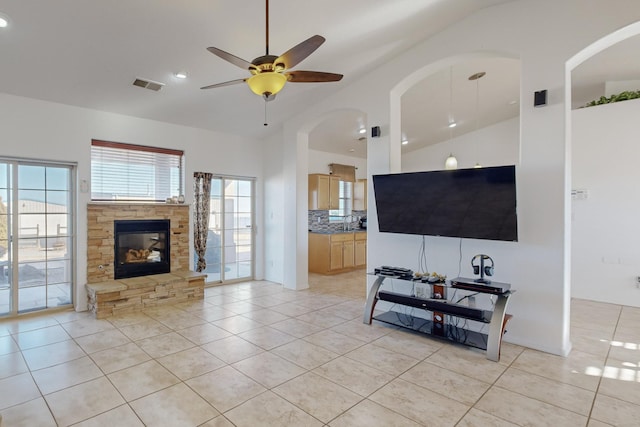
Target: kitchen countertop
[[357, 230]]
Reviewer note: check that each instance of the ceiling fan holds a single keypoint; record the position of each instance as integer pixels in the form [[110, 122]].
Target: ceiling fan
[[269, 73]]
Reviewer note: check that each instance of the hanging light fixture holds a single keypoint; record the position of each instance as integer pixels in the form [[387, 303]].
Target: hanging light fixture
[[451, 162], [477, 77]]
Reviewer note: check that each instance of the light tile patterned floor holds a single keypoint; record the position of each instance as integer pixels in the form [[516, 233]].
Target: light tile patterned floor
[[254, 354]]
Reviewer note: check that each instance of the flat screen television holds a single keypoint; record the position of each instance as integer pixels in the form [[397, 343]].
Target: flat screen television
[[471, 203]]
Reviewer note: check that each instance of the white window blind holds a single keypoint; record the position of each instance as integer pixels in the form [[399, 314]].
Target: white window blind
[[127, 172], [345, 202]]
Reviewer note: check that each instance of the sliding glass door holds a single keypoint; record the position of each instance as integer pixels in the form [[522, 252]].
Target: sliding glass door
[[230, 240], [36, 218]]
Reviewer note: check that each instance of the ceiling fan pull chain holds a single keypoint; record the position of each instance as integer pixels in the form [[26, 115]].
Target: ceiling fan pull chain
[[265, 113]]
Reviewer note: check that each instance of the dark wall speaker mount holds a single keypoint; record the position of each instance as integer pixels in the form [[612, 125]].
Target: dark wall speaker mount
[[540, 98]]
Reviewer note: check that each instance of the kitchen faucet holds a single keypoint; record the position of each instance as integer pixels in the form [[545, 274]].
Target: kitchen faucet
[[346, 223]]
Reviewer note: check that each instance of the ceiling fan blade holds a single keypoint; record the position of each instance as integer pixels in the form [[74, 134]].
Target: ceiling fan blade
[[229, 83], [245, 65], [299, 52], [312, 77]]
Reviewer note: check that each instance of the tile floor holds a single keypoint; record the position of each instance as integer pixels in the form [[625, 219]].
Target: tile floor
[[254, 354]]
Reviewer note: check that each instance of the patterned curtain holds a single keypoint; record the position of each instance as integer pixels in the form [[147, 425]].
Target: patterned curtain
[[202, 195]]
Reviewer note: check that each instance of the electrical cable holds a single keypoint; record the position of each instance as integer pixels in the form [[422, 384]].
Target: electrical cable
[[460, 257], [467, 296], [422, 257]]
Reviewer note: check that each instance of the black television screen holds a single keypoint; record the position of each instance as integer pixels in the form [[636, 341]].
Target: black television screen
[[472, 203]]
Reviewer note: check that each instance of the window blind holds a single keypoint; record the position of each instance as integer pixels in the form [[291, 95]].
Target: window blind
[[345, 202], [128, 172]]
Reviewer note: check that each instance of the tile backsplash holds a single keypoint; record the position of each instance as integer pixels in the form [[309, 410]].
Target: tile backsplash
[[319, 221]]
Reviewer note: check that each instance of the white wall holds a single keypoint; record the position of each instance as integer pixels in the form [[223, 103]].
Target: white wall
[[33, 129], [606, 229], [537, 265], [319, 162], [274, 225], [495, 145]]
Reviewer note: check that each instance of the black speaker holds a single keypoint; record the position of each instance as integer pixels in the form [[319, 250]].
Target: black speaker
[[375, 131], [540, 98]]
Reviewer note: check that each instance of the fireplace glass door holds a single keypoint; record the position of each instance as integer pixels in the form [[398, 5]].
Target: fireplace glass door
[[142, 247]]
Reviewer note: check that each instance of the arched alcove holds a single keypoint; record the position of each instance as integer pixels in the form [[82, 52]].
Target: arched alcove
[[602, 146], [342, 125], [483, 112], [431, 98]]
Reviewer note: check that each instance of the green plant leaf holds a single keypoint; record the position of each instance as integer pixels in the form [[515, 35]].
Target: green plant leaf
[[622, 96]]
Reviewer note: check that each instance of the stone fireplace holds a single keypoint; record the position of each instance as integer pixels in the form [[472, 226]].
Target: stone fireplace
[[149, 244], [101, 219]]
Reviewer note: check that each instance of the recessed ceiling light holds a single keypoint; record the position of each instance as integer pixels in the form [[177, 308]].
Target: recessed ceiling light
[[453, 124], [363, 130], [4, 21], [405, 142], [180, 75], [513, 102], [351, 150]]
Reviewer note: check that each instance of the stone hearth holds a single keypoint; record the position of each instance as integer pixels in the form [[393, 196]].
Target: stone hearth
[[136, 293]]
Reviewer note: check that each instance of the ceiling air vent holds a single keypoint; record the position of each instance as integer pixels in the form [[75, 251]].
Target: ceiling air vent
[[148, 84]]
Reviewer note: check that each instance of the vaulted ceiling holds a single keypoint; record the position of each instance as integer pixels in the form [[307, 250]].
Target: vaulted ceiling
[[88, 54]]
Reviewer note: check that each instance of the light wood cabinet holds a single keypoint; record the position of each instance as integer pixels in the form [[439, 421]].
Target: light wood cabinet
[[334, 253], [360, 249], [324, 192], [360, 195], [347, 255]]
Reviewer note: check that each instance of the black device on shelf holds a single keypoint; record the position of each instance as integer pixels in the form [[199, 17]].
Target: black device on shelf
[[496, 288], [471, 203], [437, 305], [400, 272]]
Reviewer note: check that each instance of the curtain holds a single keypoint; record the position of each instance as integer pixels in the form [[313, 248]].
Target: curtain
[[202, 196], [345, 172]]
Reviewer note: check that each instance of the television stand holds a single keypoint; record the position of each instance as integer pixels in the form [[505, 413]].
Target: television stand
[[439, 327]]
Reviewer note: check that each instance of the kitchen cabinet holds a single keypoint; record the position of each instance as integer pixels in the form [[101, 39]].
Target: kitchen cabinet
[[335, 253], [360, 195], [347, 254], [360, 249], [324, 192]]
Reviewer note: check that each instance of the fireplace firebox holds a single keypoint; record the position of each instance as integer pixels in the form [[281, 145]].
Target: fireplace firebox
[[142, 247]]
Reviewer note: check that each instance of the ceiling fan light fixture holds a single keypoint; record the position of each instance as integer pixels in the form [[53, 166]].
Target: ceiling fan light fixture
[[4, 21], [267, 83]]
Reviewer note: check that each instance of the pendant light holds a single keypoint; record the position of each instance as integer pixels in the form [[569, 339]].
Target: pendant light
[[451, 162], [477, 77]]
